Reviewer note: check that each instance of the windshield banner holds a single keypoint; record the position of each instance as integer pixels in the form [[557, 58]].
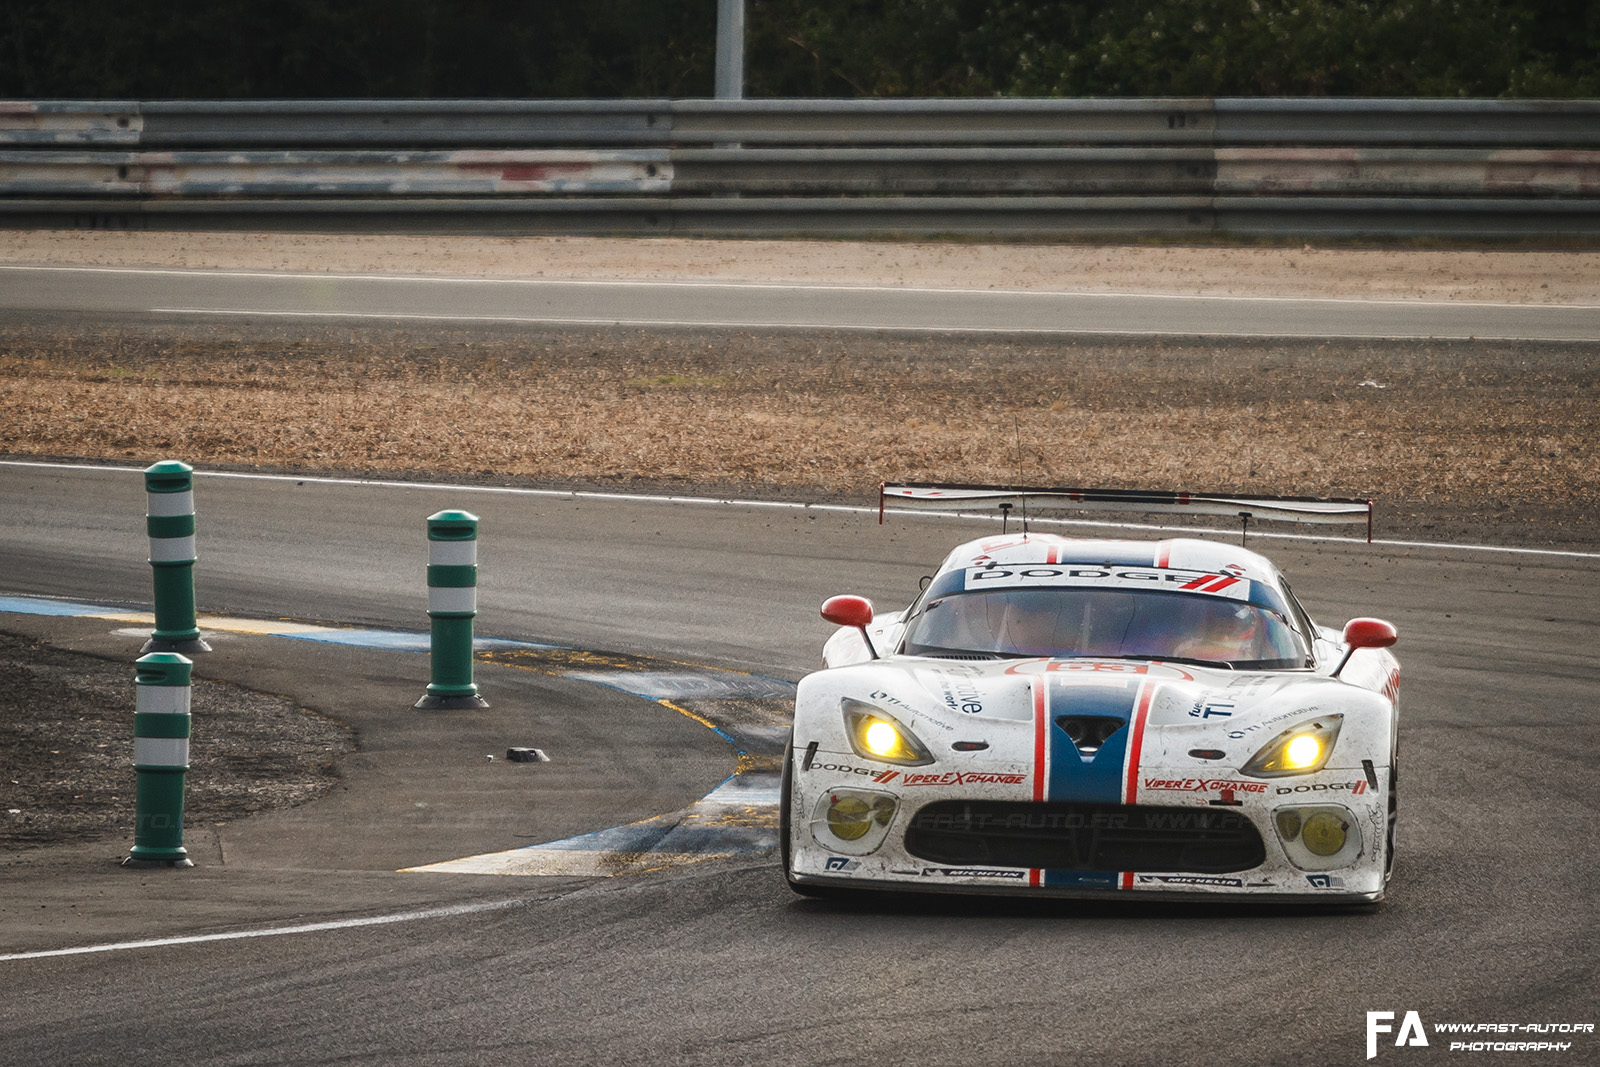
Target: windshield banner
[[993, 576]]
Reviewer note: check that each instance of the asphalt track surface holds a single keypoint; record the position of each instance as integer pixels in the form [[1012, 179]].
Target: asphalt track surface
[[1490, 918], [208, 293]]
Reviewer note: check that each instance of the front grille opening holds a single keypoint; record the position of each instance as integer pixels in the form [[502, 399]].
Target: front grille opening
[[1089, 732], [1085, 837]]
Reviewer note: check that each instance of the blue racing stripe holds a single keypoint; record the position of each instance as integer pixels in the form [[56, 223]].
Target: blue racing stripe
[[1095, 780]]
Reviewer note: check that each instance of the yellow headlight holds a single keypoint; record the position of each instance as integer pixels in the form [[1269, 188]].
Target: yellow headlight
[[1302, 751], [849, 818], [876, 734], [882, 738], [1324, 833]]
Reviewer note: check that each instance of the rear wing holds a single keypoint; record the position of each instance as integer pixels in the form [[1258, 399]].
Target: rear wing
[[1307, 509]]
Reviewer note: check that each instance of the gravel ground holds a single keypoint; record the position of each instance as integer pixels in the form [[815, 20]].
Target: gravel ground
[[66, 743]]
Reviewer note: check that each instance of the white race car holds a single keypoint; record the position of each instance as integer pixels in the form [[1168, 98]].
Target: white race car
[[1073, 717]]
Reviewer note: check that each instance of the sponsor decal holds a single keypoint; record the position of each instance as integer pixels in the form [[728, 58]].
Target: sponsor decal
[[1210, 583], [1297, 713], [959, 778], [972, 872], [1190, 879], [1353, 788], [876, 774], [992, 575], [842, 863], [1378, 816], [994, 544], [889, 698], [1088, 666], [1324, 881], [961, 694], [1242, 685], [1204, 785], [919, 714], [1212, 709], [957, 670]]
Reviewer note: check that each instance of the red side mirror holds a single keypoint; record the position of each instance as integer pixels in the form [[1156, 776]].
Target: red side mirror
[[1369, 633], [848, 611]]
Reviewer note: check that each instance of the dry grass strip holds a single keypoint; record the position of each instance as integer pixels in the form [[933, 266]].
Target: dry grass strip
[[1476, 425]]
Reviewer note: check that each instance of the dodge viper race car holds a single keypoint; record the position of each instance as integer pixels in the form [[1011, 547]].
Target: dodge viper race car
[[1076, 717]]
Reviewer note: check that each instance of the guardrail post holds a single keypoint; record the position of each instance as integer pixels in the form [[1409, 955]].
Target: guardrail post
[[161, 759], [452, 605], [729, 72], [169, 520]]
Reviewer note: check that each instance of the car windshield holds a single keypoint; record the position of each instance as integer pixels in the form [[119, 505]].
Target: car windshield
[[1106, 623]]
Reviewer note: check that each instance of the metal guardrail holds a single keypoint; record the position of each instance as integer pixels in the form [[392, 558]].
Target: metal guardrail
[[446, 124], [371, 173], [820, 171], [1453, 167]]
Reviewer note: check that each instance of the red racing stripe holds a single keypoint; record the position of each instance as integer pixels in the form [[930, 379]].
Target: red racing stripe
[[1041, 721], [1141, 712], [1041, 773]]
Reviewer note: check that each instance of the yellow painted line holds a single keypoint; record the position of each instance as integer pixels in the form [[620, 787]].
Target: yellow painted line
[[126, 616], [701, 719]]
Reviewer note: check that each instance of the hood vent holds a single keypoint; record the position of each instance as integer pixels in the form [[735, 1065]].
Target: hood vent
[[1089, 732]]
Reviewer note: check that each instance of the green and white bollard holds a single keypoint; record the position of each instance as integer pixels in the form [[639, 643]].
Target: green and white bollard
[[161, 759], [169, 520], [452, 605]]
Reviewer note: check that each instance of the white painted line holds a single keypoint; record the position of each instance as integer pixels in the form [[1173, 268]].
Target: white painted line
[[567, 863], [754, 324], [678, 283], [264, 627], [738, 817], [276, 931], [790, 505]]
